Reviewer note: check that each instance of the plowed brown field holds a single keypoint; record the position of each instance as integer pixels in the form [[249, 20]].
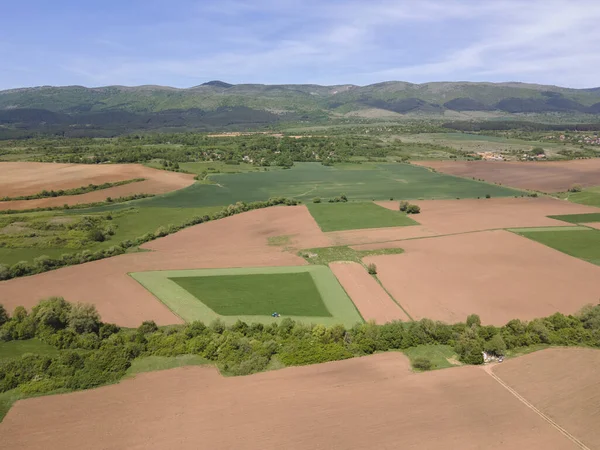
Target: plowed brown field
[[19, 178], [364, 403], [563, 384], [496, 274], [237, 241], [547, 176], [370, 298]]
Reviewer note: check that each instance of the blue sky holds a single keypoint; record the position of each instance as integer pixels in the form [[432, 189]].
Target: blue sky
[[184, 43]]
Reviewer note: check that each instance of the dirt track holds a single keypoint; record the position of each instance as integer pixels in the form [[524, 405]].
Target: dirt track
[[364, 403], [563, 384], [370, 298], [552, 176], [496, 274], [30, 178]]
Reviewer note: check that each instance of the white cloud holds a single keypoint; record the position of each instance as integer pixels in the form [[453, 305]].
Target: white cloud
[[548, 41]]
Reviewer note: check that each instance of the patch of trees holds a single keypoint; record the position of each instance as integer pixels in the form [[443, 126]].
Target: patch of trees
[[45, 263], [503, 125], [75, 191], [92, 353], [409, 208]]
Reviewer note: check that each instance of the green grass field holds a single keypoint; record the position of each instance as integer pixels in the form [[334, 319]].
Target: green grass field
[[583, 244], [290, 294], [305, 181], [15, 349], [578, 218], [437, 354], [153, 363], [589, 196], [261, 298], [325, 255], [356, 215]]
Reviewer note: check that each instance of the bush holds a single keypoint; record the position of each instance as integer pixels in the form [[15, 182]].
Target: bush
[[96, 235], [316, 200], [413, 209], [84, 319], [422, 364], [488, 196], [496, 345], [576, 188], [403, 205], [372, 269]]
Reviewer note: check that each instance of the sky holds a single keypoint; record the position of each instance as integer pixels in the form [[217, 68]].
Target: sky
[[183, 43]]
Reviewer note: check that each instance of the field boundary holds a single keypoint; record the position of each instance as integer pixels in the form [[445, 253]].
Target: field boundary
[[189, 308], [489, 371]]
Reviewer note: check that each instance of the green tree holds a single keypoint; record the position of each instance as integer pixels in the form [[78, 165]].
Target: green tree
[[496, 345], [3, 315], [83, 318], [473, 319]]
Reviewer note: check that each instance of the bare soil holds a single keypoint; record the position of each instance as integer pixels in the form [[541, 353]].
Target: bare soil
[[496, 274], [370, 298], [548, 176], [23, 178], [237, 241], [563, 384], [459, 216], [363, 403], [593, 225]]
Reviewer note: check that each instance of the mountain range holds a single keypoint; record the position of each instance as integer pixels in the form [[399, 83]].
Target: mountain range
[[77, 110]]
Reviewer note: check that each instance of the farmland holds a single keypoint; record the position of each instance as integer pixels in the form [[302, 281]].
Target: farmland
[[356, 216], [309, 294], [191, 277]]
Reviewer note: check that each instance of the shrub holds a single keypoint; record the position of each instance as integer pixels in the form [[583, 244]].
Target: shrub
[[96, 235], [84, 318], [316, 200], [372, 268], [413, 209], [496, 345], [473, 319], [403, 205], [576, 188], [422, 364], [3, 315]]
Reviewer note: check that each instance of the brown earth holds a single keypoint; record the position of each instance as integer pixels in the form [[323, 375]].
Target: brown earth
[[237, 241], [593, 225], [370, 298], [23, 178], [563, 384], [548, 176], [362, 403], [459, 216], [496, 274]]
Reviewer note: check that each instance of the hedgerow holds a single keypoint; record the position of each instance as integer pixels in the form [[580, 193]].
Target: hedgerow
[[92, 353], [45, 263]]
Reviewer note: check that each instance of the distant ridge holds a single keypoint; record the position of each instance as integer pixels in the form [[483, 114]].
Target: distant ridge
[[109, 110]]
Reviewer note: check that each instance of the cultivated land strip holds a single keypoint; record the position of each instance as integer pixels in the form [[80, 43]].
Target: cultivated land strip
[[577, 442]]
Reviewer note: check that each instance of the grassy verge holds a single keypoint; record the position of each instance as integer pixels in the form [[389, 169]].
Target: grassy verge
[[15, 349], [154, 363], [326, 255], [440, 356]]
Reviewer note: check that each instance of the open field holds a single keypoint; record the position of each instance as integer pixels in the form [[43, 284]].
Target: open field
[[563, 384], [582, 243], [30, 178], [589, 196], [309, 294], [355, 216], [246, 240], [305, 181], [340, 405], [496, 274], [547, 176], [369, 297]]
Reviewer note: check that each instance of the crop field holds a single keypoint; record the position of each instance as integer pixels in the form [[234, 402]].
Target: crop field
[[305, 181], [550, 176], [310, 294], [18, 179], [589, 196], [314, 407], [583, 243], [354, 216]]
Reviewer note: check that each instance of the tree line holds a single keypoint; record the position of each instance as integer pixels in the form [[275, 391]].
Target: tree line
[[92, 353]]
